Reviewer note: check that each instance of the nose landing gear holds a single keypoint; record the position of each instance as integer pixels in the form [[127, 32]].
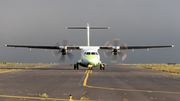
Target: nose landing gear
[[90, 68]]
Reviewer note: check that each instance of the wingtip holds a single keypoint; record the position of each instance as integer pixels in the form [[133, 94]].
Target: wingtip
[[172, 45], [5, 45]]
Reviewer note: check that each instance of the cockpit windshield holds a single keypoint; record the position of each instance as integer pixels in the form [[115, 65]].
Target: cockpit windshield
[[90, 53]]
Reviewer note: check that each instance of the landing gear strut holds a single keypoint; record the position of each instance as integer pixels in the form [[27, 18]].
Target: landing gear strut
[[76, 66], [102, 67], [90, 68]]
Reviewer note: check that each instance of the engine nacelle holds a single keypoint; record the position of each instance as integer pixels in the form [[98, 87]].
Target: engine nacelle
[[64, 51], [115, 51]]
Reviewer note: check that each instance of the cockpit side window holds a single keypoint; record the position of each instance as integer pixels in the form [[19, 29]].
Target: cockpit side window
[[88, 53], [85, 53], [96, 53]]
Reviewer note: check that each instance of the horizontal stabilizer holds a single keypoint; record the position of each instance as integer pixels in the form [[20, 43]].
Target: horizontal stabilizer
[[89, 27], [76, 27], [99, 27]]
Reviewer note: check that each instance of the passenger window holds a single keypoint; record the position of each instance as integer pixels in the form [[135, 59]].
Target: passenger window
[[92, 53]]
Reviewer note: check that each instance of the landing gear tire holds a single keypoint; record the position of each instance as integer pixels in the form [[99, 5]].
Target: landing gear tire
[[75, 66]]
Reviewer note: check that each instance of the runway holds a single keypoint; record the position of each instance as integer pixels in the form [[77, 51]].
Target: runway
[[115, 83]]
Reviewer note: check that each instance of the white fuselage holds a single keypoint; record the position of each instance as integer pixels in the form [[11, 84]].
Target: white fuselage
[[89, 57]]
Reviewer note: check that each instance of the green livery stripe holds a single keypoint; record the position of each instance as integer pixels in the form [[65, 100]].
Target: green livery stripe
[[91, 63], [90, 57], [94, 64]]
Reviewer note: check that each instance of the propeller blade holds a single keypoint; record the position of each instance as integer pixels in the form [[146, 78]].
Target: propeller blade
[[70, 55], [124, 45], [116, 41], [65, 41], [55, 53], [123, 55], [107, 54], [114, 59], [73, 46], [107, 44], [56, 43], [62, 59], [115, 51]]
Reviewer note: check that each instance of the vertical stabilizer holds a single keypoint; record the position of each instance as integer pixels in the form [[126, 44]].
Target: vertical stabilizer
[[88, 39]]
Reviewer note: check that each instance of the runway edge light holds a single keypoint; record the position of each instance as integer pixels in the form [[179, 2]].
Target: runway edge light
[[70, 97]]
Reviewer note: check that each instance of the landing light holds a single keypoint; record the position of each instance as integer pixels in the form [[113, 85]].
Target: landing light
[[90, 66]]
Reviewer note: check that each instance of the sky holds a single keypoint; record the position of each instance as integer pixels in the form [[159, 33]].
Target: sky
[[134, 22]]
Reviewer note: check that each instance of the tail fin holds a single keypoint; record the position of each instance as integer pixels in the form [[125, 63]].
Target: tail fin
[[88, 40]]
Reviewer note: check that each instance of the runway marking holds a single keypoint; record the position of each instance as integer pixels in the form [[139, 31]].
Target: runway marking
[[40, 98], [148, 91], [85, 80], [26, 97], [82, 79]]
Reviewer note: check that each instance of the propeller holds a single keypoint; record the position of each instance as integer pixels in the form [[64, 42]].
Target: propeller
[[63, 51], [115, 51]]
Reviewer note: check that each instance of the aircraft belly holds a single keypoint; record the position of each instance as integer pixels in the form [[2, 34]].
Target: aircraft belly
[[94, 63]]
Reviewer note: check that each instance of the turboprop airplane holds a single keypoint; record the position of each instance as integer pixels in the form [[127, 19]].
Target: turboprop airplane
[[89, 54]]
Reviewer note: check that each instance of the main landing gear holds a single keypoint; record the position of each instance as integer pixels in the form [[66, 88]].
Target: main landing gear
[[76, 66], [102, 67]]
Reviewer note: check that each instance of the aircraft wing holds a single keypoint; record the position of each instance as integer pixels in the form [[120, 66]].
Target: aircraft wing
[[79, 47], [42, 47], [134, 47]]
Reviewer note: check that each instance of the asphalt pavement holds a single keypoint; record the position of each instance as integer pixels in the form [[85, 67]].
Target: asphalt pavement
[[115, 83]]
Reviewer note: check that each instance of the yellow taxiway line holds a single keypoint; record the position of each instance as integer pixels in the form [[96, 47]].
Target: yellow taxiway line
[[40, 98], [90, 71]]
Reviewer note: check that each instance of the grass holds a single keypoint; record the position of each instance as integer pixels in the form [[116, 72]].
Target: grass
[[84, 98], [160, 67], [18, 66], [7, 70], [43, 95]]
